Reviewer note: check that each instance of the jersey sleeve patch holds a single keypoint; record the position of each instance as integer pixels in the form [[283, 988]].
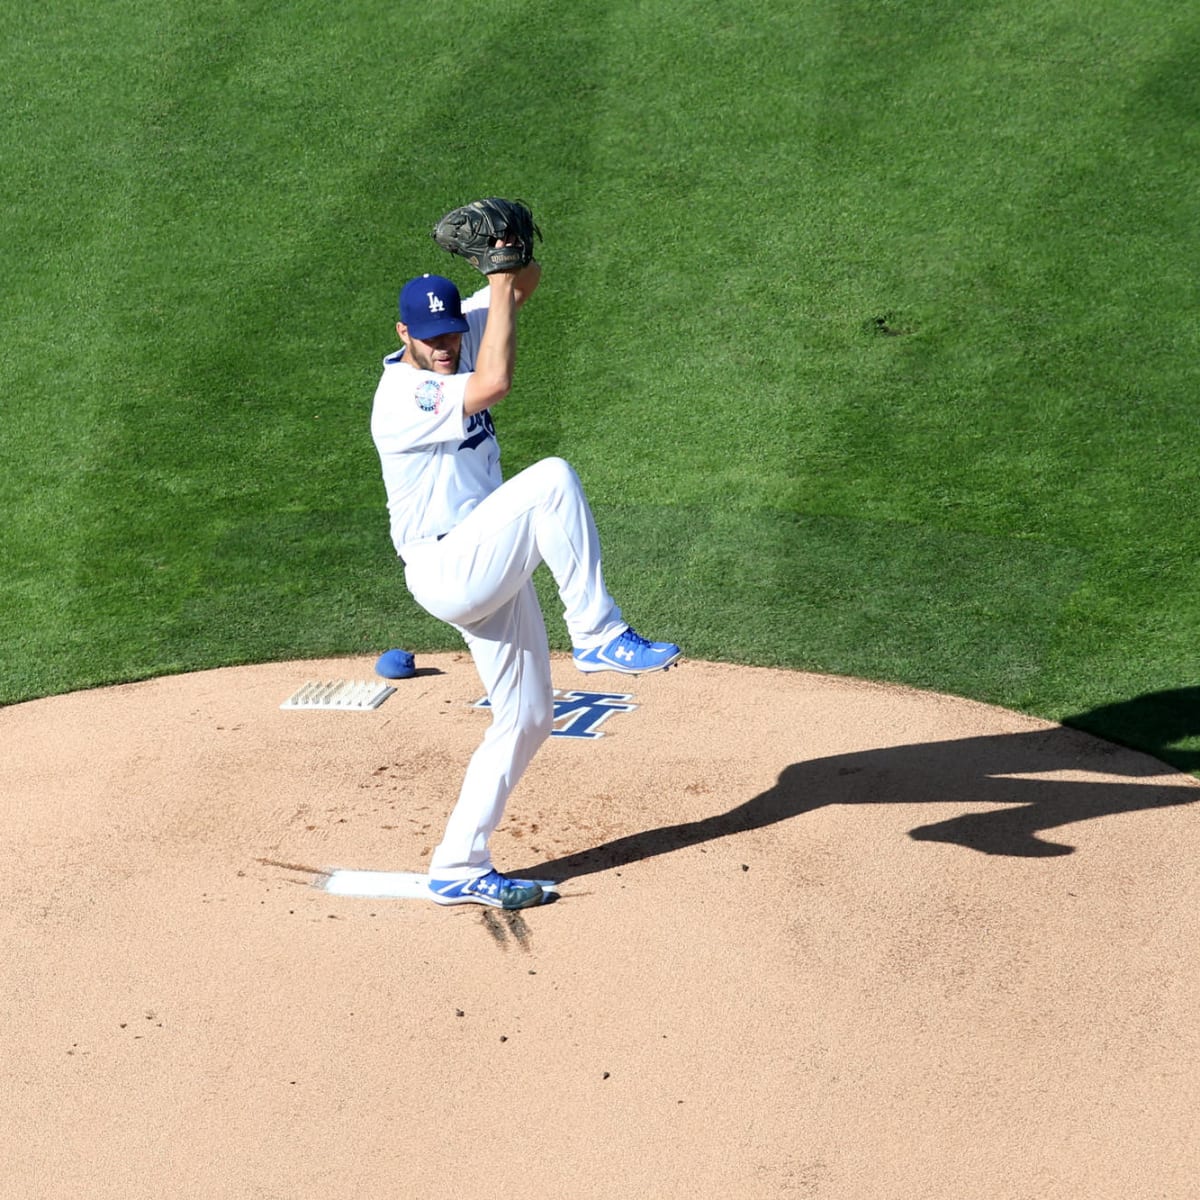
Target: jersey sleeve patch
[[430, 396]]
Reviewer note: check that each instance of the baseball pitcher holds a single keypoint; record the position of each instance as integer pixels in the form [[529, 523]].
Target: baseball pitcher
[[470, 541]]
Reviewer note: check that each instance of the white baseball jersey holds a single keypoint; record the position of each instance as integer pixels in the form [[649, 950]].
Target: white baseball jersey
[[438, 463]]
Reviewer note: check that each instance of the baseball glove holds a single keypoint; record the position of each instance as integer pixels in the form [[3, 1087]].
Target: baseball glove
[[473, 230]]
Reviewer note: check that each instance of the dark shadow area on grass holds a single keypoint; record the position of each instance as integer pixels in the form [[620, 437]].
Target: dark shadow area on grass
[[994, 769], [1155, 723]]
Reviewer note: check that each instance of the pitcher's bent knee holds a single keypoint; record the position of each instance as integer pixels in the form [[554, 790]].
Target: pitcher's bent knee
[[531, 722], [557, 474], [537, 722]]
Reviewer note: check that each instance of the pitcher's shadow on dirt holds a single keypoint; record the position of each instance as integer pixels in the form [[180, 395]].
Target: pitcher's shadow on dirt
[[966, 771]]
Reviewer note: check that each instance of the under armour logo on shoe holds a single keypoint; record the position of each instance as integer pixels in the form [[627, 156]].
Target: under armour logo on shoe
[[625, 652], [436, 304]]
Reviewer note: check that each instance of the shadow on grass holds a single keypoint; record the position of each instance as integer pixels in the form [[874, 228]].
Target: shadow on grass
[[1004, 769]]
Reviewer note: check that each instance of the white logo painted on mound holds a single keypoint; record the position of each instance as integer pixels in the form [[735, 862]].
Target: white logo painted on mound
[[580, 714]]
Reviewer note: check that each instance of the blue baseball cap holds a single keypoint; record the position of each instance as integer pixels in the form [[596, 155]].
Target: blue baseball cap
[[430, 305]]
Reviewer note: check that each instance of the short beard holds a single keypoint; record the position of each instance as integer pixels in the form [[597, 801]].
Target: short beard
[[425, 362]]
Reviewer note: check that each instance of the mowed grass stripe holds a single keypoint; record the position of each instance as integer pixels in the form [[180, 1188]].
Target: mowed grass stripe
[[898, 294]]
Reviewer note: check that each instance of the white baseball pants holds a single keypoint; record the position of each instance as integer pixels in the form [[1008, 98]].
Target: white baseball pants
[[478, 578]]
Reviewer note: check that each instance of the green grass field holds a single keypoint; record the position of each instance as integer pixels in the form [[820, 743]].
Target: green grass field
[[871, 329]]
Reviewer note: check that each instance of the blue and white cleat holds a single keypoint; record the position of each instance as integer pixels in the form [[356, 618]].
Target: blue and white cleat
[[629, 653], [493, 889]]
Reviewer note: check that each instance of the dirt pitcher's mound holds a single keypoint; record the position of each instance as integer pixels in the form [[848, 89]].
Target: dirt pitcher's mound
[[817, 938]]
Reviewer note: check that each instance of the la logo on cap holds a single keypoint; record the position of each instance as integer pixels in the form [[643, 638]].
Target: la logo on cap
[[436, 303]]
